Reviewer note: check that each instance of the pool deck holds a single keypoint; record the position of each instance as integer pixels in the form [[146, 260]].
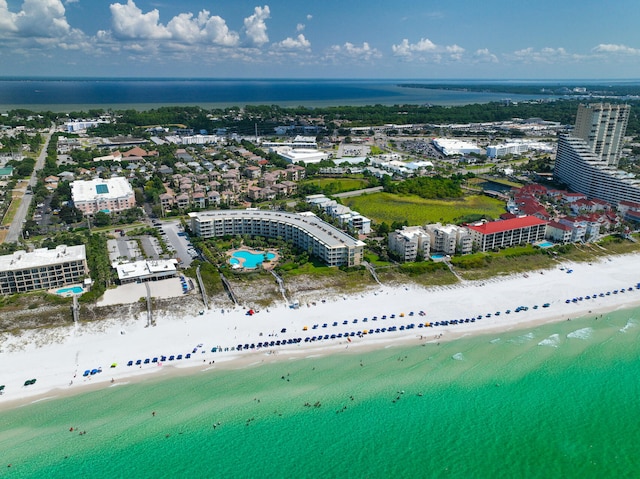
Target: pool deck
[[267, 265], [68, 291]]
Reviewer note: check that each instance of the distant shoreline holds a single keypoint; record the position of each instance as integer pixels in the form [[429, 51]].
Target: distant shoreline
[[65, 95]]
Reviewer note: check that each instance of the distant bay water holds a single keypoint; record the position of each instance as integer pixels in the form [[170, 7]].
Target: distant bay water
[[83, 94]]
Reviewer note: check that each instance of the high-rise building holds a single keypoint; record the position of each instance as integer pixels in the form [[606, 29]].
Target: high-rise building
[[602, 126], [584, 172], [587, 160]]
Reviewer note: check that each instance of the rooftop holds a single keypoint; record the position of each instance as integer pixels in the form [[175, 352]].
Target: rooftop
[[314, 226], [42, 257], [507, 225], [116, 187]]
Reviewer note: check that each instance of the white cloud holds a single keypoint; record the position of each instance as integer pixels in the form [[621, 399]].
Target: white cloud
[[455, 52], [406, 49], [7, 19], [39, 25], [616, 49], [352, 52], [309, 16], [130, 23], [426, 50], [545, 55], [255, 26], [298, 43], [300, 27], [483, 55], [42, 19], [204, 28]]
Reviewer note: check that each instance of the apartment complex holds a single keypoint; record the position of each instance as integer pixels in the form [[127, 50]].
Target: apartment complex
[[112, 195], [408, 242], [42, 269], [583, 171], [587, 160], [449, 239], [602, 126], [505, 233], [307, 232]]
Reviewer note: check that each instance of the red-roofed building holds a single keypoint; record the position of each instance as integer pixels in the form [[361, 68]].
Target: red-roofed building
[[629, 210], [559, 232], [505, 233]]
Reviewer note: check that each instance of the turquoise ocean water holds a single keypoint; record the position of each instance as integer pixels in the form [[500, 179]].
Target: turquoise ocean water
[[560, 400]]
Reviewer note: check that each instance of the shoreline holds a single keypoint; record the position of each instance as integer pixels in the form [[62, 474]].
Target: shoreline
[[57, 358]]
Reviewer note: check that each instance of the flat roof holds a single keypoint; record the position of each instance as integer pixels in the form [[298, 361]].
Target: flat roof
[[90, 190], [139, 269], [507, 225], [326, 233], [42, 257]]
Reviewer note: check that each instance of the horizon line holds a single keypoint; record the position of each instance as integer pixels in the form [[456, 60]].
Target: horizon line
[[327, 79]]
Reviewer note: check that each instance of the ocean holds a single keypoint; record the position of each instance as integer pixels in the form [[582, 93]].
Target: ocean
[[558, 400], [75, 94]]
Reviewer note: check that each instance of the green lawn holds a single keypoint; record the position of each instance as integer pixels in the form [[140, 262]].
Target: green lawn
[[11, 212], [389, 208], [339, 185]]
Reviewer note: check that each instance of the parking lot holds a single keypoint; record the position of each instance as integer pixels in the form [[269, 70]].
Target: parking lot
[[178, 240]]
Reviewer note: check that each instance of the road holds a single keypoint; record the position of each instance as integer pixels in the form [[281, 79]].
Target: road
[[15, 229]]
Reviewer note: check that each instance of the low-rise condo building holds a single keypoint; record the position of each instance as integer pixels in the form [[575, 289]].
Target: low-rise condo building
[[307, 232], [505, 233], [112, 195], [43, 268], [408, 242]]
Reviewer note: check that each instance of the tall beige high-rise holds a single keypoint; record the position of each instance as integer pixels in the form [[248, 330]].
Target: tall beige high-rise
[[602, 126]]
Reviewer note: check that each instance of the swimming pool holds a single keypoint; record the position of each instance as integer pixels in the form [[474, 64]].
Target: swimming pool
[[437, 256], [250, 260], [70, 290], [546, 244]]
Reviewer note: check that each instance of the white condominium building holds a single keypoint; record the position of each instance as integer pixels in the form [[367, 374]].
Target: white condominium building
[[308, 233], [602, 126], [584, 172], [408, 242], [112, 195], [449, 239], [42, 269]]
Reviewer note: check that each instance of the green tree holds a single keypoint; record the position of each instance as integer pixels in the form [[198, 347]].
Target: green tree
[[101, 219]]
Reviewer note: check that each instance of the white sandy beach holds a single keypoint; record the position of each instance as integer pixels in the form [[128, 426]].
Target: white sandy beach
[[58, 357]]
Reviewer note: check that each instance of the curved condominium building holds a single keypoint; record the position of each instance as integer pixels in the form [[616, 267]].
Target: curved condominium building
[[307, 232]]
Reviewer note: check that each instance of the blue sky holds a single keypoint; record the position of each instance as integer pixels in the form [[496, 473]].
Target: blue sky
[[422, 39]]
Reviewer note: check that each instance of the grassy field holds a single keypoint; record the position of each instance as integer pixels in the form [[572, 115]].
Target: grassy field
[[389, 208], [11, 213], [338, 185]]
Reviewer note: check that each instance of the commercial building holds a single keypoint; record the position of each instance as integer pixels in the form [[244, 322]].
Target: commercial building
[[141, 271], [602, 126], [112, 195], [81, 125], [449, 147], [516, 148], [307, 232], [296, 155], [408, 242], [505, 233], [42, 269]]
